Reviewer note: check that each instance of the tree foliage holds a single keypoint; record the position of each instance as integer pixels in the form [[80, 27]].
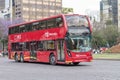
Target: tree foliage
[[67, 10], [104, 34], [4, 24]]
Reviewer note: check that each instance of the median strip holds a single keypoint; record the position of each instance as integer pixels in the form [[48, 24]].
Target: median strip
[[107, 56]]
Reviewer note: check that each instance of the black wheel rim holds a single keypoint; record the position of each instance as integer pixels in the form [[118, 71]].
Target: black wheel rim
[[52, 60], [21, 58], [16, 58]]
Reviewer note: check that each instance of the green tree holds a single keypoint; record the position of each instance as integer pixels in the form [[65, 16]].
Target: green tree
[[67, 10], [4, 32], [4, 24], [111, 34], [98, 40], [104, 34]]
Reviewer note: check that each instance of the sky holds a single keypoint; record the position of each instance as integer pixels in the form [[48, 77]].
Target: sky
[[82, 6]]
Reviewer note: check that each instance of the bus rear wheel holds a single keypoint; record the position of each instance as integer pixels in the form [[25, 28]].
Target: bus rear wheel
[[52, 59], [21, 58], [16, 57]]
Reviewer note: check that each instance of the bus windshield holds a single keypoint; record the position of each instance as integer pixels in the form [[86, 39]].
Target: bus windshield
[[78, 44], [76, 21]]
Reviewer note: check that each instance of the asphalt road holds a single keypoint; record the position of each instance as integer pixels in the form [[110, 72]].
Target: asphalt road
[[96, 70]]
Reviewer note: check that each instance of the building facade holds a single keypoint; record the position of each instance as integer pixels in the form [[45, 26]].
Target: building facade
[[118, 10], [115, 13], [105, 10], [35, 9], [2, 4], [16, 9], [5, 12], [109, 10]]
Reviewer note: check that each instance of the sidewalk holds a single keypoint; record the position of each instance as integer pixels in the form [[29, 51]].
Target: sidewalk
[[107, 56], [107, 59]]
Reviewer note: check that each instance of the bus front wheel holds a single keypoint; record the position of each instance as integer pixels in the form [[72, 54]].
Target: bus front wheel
[[52, 59]]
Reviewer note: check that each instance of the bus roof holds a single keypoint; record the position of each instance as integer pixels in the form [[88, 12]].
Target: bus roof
[[42, 19]]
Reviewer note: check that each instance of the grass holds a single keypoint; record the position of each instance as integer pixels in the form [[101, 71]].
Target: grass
[[107, 56]]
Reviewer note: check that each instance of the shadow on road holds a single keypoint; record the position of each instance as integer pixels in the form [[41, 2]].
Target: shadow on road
[[62, 65]]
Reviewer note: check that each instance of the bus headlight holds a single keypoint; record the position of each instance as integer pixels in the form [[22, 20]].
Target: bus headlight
[[69, 54]]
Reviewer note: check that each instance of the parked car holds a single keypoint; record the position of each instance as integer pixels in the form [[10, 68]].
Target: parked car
[[0, 53], [96, 51], [102, 49]]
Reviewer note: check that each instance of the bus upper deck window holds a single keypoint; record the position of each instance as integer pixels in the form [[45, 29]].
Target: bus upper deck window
[[43, 24], [35, 26], [22, 28], [59, 22]]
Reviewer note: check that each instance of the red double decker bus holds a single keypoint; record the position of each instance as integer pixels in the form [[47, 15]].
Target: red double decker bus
[[59, 39]]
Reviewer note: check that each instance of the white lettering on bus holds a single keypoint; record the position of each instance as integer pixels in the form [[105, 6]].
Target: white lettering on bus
[[48, 34], [17, 37]]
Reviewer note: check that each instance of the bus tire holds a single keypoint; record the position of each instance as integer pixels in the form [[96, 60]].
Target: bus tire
[[52, 59], [16, 57], [21, 58], [75, 63]]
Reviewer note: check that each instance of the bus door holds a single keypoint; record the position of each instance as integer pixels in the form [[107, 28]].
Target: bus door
[[33, 54], [60, 50]]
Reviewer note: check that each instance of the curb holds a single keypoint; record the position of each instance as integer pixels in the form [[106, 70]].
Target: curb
[[107, 59]]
